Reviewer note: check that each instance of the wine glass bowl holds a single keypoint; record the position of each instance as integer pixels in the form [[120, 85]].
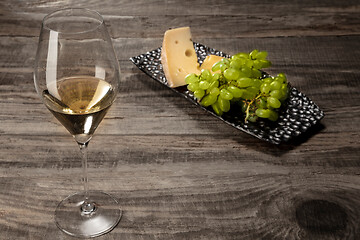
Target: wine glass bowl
[[77, 76]]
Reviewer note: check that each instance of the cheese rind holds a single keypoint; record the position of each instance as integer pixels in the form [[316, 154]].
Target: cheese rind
[[209, 61], [178, 56]]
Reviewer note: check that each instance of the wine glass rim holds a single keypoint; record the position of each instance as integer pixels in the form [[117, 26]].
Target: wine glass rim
[[101, 20]]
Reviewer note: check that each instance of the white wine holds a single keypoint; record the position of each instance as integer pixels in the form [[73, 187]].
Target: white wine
[[79, 103]]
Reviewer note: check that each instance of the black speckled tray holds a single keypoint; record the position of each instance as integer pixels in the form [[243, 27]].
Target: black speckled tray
[[297, 115]]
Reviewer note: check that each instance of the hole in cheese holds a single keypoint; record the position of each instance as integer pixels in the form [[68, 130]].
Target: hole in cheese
[[176, 42], [188, 53]]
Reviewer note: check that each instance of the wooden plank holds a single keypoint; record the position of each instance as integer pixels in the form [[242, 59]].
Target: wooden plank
[[240, 26], [55, 151], [241, 19], [183, 8], [179, 200]]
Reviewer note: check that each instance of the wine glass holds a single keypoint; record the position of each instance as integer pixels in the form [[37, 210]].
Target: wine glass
[[77, 77]]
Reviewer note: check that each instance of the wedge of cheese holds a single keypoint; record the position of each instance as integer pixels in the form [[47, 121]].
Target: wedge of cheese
[[209, 61], [178, 56]]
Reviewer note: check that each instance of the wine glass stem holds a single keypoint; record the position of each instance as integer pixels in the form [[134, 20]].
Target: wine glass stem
[[87, 207], [83, 149]]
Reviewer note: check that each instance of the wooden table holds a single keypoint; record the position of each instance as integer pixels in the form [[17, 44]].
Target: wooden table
[[178, 172]]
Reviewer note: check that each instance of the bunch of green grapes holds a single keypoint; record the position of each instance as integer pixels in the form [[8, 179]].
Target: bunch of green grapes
[[239, 80]]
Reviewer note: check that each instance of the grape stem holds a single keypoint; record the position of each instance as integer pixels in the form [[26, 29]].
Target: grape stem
[[248, 107]]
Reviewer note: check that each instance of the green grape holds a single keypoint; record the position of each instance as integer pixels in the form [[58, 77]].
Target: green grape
[[265, 63], [225, 61], [223, 67], [281, 77], [263, 113], [244, 82], [224, 104], [224, 64], [214, 84], [242, 55], [231, 74], [273, 102], [225, 94], [248, 95], [234, 57], [275, 85], [255, 73], [253, 90], [265, 88], [273, 116], [253, 53], [204, 85], [261, 55], [245, 71], [205, 74], [216, 66], [252, 118], [237, 63], [260, 103], [257, 64], [208, 100], [268, 80], [276, 94], [236, 92], [191, 78], [284, 92], [284, 97], [193, 86], [249, 63], [199, 93], [214, 91], [216, 107], [215, 76]]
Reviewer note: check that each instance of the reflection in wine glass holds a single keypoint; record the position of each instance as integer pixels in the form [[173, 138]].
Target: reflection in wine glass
[[77, 76]]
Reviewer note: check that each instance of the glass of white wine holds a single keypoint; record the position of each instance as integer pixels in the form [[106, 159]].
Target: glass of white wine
[[77, 76]]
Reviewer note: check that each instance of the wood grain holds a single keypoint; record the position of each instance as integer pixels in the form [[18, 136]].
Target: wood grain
[[178, 172], [242, 18]]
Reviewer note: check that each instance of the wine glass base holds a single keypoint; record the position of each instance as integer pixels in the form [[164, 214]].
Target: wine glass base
[[99, 216]]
